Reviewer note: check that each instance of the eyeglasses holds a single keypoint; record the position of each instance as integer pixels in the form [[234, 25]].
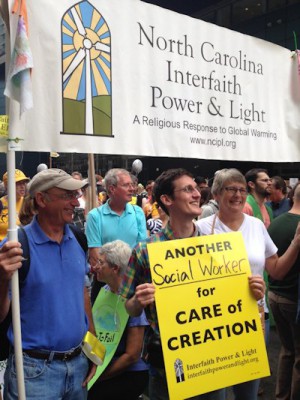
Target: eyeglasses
[[100, 262], [233, 190], [126, 185], [66, 196], [188, 189]]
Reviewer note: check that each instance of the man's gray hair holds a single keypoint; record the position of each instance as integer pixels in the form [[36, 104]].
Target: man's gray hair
[[116, 253], [224, 176], [112, 176]]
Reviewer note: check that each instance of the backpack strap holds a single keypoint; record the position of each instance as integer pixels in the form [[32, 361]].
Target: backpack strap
[[80, 236], [23, 239], [255, 207]]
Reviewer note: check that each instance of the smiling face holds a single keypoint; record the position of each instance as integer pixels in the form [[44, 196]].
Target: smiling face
[[185, 199], [59, 204], [232, 197]]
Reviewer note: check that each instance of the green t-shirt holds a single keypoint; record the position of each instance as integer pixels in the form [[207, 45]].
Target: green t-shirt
[[282, 231]]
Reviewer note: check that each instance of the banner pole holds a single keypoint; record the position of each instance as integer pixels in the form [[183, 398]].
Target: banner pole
[[12, 233], [13, 236], [92, 183]]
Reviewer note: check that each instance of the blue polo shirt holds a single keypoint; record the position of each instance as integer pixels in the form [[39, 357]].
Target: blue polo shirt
[[104, 225], [52, 296], [279, 208]]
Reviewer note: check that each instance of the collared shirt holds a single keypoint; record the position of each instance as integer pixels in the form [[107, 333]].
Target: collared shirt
[[138, 270], [105, 225], [279, 208], [51, 297]]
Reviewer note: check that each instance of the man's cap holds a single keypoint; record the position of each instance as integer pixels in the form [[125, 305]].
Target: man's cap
[[86, 183], [19, 177], [53, 177]]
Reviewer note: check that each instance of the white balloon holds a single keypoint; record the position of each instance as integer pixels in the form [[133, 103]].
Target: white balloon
[[137, 166], [41, 167]]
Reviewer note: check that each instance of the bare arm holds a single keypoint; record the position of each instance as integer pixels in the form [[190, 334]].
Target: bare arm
[[134, 343], [10, 261], [91, 328], [144, 295], [144, 202], [93, 255]]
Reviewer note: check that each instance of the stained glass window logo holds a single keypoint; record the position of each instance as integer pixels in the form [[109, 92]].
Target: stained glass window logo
[[86, 72]]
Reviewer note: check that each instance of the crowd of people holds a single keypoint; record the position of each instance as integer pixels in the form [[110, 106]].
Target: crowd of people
[[77, 251]]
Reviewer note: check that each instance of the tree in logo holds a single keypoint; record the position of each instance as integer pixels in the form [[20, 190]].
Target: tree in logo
[[86, 71]]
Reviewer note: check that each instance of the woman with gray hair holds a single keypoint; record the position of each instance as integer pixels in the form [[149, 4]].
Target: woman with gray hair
[[126, 376], [230, 190], [116, 253]]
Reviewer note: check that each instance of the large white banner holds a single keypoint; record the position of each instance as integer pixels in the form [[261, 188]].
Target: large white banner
[[125, 77]]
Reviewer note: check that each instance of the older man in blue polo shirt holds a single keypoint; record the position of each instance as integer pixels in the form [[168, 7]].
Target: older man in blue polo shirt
[[116, 219], [54, 304]]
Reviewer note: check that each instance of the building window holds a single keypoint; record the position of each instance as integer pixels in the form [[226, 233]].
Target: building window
[[244, 10]]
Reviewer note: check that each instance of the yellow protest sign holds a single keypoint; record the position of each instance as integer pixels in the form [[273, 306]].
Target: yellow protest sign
[[209, 321], [4, 119]]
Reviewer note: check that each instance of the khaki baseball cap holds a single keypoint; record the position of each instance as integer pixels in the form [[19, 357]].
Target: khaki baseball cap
[[53, 177]]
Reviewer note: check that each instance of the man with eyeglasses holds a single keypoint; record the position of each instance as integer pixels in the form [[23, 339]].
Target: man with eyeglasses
[[116, 219], [259, 188], [176, 193], [54, 303]]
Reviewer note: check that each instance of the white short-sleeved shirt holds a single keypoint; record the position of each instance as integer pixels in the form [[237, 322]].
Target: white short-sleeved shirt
[[258, 243]]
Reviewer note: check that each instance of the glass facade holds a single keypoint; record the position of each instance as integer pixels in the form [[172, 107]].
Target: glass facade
[[277, 21]]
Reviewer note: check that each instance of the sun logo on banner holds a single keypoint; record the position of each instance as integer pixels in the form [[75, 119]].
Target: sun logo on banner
[[86, 72]]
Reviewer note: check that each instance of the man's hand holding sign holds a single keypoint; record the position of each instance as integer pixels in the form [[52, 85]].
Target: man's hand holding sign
[[202, 290]]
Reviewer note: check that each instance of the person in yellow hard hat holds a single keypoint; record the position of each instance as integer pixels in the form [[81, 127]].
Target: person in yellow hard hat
[[21, 180]]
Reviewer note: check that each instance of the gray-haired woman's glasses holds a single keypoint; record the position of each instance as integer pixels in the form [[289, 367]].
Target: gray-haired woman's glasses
[[233, 190]]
